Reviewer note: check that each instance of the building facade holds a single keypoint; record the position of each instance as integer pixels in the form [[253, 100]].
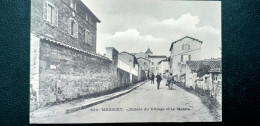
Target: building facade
[[165, 66], [66, 21], [63, 60], [155, 66], [182, 50]]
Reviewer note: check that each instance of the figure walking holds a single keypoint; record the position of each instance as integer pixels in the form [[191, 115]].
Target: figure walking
[[152, 79], [159, 78]]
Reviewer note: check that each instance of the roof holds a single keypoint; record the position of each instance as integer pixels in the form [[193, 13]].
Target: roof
[[143, 58], [125, 57], [183, 74], [215, 70], [148, 51], [182, 39], [195, 65], [59, 43], [163, 61], [157, 56]]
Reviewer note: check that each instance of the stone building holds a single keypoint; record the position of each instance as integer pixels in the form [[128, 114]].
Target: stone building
[[66, 21], [63, 60], [182, 50]]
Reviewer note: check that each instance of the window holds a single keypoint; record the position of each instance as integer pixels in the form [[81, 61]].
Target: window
[[158, 63], [90, 20], [152, 63], [185, 58], [87, 36], [157, 68], [185, 47], [73, 28], [87, 16], [50, 13], [144, 63], [73, 5], [215, 78]]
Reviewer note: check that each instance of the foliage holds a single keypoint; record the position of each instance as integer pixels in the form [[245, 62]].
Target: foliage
[[203, 69]]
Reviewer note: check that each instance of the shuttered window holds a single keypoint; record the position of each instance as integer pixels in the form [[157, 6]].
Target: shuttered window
[[73, 5], [181, 58], [189, 57], [50, 13], [87, 36], [73, 27]]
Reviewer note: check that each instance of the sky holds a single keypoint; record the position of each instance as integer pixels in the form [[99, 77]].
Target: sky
[[135, 25]]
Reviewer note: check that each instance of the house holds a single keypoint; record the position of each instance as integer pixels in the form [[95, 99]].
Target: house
[[143, 61], [63, 52], [193, 70], [164, 66], [155, 66], [129, 59], [67, 21], [131, 65], [182, 50]]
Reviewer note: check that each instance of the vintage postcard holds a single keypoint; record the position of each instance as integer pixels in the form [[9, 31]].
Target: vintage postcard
[[116, 61]]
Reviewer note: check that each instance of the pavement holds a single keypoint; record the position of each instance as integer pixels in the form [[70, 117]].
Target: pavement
[[144, 103], [74, 106]]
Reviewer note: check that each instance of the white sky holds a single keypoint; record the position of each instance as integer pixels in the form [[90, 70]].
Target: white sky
[[132, 25]]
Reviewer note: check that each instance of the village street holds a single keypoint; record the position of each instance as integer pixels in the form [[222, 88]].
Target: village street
[[145, 96]]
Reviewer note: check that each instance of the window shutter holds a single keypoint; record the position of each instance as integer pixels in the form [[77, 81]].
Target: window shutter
[[87, 16], [45, 10], [181, 58], [189, 57], [56, 17], [75, 8], [69, 26], [86, 36], [76, 30], [71, 3]]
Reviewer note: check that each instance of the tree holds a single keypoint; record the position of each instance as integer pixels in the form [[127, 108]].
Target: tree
[[203, 69]]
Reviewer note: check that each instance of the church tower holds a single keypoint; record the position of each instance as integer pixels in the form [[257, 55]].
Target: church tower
[[149, 52]]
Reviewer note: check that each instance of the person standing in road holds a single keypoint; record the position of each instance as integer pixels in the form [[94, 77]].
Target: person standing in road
[[152, 79], [159, 78]]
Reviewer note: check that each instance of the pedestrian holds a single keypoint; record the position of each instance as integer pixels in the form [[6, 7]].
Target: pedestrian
[[152, 79], [171, 81], [159, 78], [167, 75]]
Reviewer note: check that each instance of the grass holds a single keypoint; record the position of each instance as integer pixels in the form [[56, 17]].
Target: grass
[[211, 103]]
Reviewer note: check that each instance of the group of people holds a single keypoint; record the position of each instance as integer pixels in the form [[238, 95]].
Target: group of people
[[169, 77]]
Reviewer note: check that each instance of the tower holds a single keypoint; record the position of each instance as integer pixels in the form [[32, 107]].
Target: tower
[[149, 52]]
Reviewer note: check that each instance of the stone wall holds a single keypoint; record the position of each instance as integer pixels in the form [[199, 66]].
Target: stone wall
[[123, 78], [60, 32], [67, 73]]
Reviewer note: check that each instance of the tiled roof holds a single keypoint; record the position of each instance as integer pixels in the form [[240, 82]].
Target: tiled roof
[[157, 56], [213, 70], [182, 39], [195, 65]]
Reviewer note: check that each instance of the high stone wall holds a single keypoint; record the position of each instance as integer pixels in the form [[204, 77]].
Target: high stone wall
[[67, 73]]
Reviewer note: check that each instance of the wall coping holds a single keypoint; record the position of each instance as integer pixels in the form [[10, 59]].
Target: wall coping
[[52, 40]]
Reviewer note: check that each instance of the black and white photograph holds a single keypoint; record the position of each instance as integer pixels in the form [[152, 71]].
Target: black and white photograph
[[125, 61]]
